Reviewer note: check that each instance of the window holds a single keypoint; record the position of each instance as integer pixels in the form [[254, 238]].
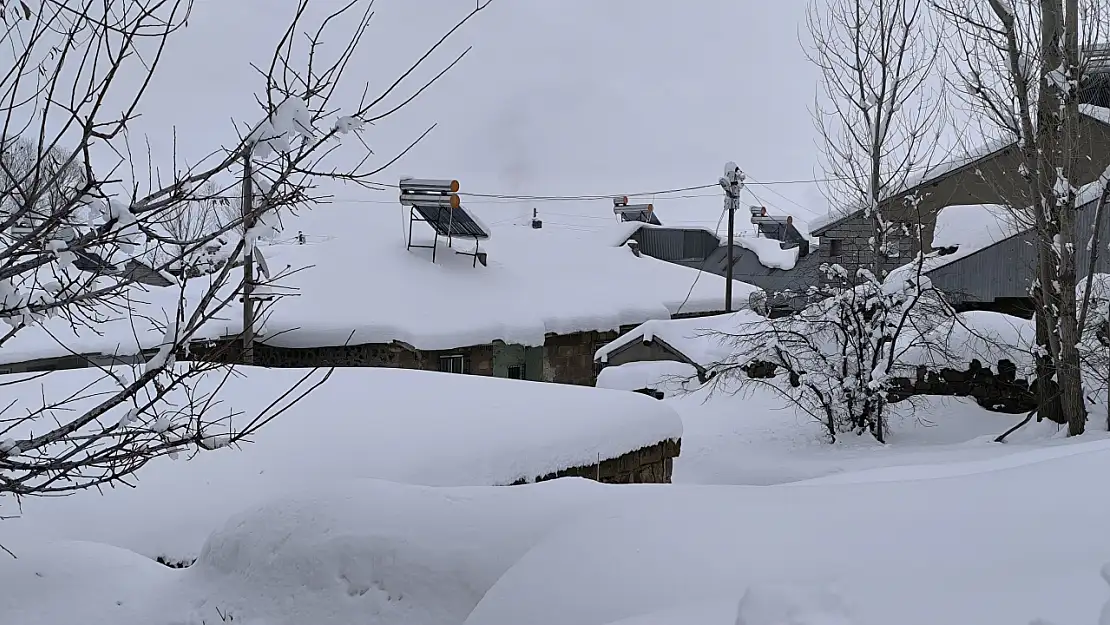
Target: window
[[835, 248], [452, 364], [516, 372]]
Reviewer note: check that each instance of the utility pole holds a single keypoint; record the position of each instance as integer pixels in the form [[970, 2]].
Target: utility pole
[[248, 261], [733, 184]]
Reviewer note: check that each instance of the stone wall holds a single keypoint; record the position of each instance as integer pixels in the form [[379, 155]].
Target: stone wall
[[564, 358], [997, 392], [373, 355], [853, 235], [649, 465], [569, 358]]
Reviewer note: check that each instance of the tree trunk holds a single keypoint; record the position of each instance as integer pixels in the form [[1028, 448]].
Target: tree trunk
[[1048, 395], [1068, 367], [1057, 113]]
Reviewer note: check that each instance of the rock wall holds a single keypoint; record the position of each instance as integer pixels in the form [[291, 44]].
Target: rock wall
[[649, 465], [569, 358], [564, 358], [998, 392]]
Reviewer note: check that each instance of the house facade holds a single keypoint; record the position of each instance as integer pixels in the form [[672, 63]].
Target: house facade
[[998, 276], [990, 175], [563, 358]]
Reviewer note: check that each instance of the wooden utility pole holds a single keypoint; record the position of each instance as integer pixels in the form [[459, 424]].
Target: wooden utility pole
[[733, 183], [248, 262]]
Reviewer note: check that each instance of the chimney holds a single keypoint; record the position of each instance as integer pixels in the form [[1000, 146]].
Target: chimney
[[537, 223]]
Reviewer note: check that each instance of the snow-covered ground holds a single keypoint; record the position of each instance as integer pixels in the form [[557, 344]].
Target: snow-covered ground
[[984, 547], [415, 427], [765, 520]]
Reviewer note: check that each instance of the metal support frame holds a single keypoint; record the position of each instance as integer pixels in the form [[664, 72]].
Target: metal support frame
[[413, 218]]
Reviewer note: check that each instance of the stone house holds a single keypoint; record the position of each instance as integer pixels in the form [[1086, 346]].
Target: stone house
[[989, 175], [537, 307], [563, 358]]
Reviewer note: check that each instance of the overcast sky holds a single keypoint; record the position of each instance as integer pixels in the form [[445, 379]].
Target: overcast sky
[[558, 97]]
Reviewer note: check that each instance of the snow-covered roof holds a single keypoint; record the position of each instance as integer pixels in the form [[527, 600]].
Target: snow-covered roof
[[363, 286], [970, 228], [354, 282], [981, 151], [1101, 113], [126, 325], [668, 376], [988, 337], [701, 339], [770, 252], [415, 427]]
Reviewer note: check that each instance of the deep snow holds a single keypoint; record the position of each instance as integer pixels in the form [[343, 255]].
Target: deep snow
[[408, 426], [871, 551]]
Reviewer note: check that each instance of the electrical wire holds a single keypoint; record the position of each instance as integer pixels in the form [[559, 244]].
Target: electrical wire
[[609, 196], [701, 269]]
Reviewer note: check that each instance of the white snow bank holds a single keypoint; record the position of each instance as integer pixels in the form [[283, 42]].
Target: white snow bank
[[977, 335], [908, 473], [537, 282], [668, 376], [61, 582], [1100, 113], [719, 612], [961, 550], [758, 438], [704, 340], [378, 552], [770, 252], [358, 551], [395, 424]]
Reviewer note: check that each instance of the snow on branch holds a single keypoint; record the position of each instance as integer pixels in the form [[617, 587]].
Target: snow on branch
[[81, 245]]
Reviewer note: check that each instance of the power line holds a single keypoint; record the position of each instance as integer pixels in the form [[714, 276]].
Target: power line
[[701, 268], [609, 196]]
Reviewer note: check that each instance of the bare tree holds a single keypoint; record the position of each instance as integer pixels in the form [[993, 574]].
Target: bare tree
[[879, 119], [836, 360], [62, 100], [1019, 65], [192, 221], [880, 123]]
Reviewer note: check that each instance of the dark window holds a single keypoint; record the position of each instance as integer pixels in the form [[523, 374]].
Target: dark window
[[516, 372], [835, 248], [452, 364]]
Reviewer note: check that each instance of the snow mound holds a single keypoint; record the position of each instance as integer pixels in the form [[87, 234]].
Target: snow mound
[[357, 551], [792, 604], [78, 582], [702, 613], [377, 553], [770, 252], [691, 545], [668, 376], [988, 337], [401, 425]]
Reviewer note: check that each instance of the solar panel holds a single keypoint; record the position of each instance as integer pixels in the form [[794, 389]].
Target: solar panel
[[452, 222], [638, 213]]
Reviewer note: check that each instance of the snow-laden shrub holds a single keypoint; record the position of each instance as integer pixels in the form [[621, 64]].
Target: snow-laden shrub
[[835, 358]]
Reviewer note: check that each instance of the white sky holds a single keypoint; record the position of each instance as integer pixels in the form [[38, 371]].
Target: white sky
[[558, 97]]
